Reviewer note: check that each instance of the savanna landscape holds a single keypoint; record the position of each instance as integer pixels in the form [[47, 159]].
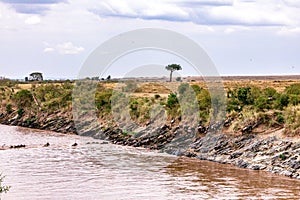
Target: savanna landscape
[[146, 99], [254, 114], [249, 101]]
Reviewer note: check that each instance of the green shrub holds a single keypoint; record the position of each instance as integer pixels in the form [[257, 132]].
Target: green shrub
[[282, 156], [133, 105], [172, 100], [196, 89], [204, 100], [103, 100], [23, 99], [53, 104], [54, 97], [127, 133], [279, 118], [139, 109], [292, 118], [294, 99], [261, 103], [243, 95], [9, 109], [20, 112], [269, 92], [293, 89], [281, 101], [8, 83], [264, 118], [248, 116], [29, 121], [173, 105], [233, 104]]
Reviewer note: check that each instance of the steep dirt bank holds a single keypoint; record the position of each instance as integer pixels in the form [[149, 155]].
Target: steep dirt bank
[[271, 152], [58, 122], [268, 152]]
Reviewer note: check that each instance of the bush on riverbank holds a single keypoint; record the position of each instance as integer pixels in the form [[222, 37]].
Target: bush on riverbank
[[53, 97], [247, 106], [266, 107], [292, 120], [3, 189]]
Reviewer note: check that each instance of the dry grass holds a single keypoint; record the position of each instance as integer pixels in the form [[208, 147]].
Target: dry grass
[[26, 86], [153, 88], [277, 85], [164, 88]]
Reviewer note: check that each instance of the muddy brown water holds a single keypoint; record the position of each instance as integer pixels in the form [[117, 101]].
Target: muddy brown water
[[93, 170]]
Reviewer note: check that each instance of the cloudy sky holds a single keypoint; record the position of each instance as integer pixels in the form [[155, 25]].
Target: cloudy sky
[[241, 37]]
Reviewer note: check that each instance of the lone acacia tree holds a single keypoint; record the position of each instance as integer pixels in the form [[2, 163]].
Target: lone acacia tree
[[36, 76], [172, 68]]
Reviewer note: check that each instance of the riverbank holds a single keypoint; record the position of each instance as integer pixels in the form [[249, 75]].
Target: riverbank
[[260, 130], [270, 152], [273, 151], [58, 122]]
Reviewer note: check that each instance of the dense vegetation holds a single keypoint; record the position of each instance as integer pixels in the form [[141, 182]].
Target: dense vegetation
[[246, 106], [45, 97], [254, 106]]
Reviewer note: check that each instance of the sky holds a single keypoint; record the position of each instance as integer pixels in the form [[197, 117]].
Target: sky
[[55, 37]]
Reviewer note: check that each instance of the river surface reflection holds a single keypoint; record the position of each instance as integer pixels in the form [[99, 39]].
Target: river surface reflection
[[97, 170]]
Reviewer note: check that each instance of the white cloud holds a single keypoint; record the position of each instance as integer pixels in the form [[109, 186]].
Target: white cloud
[[293, 3], [245, 14], [49, 49], [32, 20], [69, 48], [224, 28], [287, 31], [66, 48], [9, 19], [229, 30], [149, 10], [242, 13]]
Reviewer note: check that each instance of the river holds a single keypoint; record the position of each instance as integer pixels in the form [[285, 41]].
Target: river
[[95, 169]]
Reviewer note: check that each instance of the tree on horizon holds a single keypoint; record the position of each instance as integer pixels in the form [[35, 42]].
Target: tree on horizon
[[36, 76], [172, 68]]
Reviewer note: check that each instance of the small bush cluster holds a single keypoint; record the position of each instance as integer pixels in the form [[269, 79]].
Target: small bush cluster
[[266, 106], [103, 101], [292, 120], [172, 105], [3, 189], [262, 100], [53, 97], [139, 108]]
